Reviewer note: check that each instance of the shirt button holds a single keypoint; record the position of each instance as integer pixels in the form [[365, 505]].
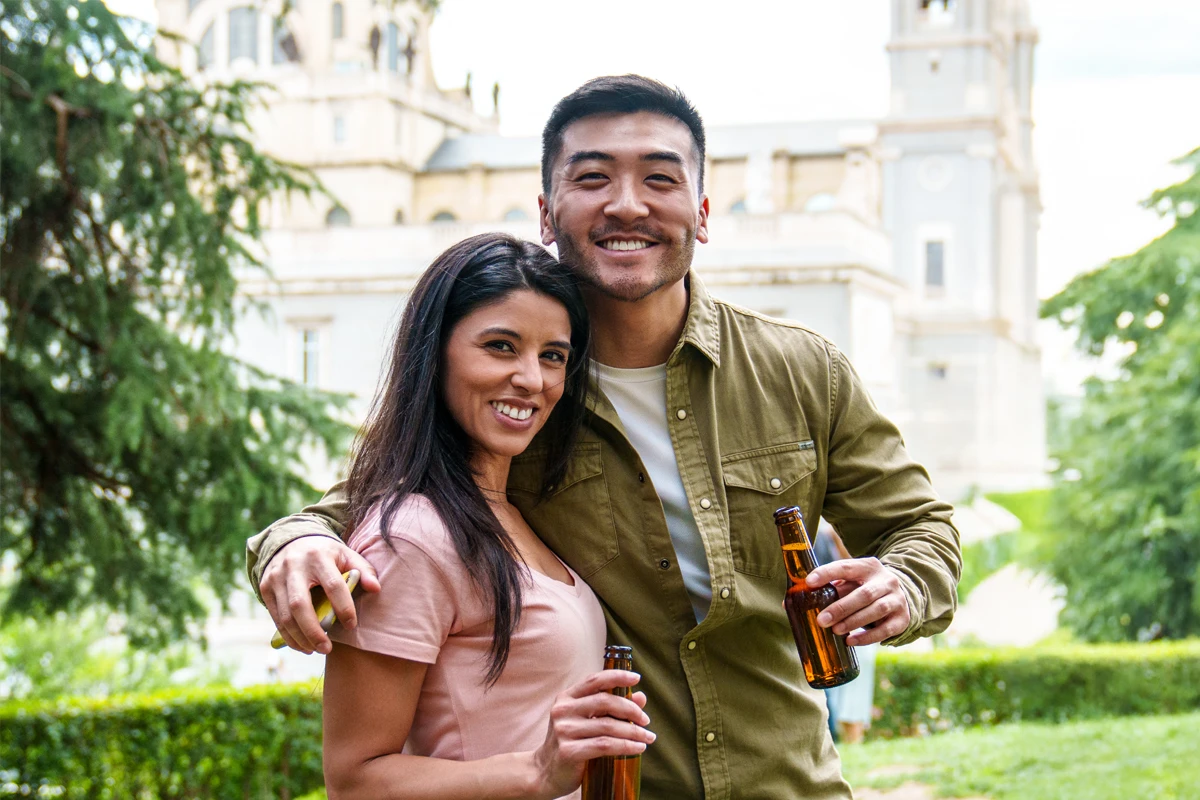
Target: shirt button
[[776, 483], [681, 413], [705, 503], [641, 477], [664, 564], [691, 645], [725, 594], [710, 737]]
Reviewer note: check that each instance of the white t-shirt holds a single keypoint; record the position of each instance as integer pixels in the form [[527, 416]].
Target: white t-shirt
[[640, 398]]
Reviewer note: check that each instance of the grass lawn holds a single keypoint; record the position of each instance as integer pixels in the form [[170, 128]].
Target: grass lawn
[[1148, 758]]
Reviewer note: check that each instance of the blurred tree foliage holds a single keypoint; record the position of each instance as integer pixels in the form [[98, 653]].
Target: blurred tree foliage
[[137, 455], [1126, 510]]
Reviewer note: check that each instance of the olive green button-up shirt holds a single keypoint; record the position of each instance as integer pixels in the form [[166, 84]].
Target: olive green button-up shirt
[[762, 413]]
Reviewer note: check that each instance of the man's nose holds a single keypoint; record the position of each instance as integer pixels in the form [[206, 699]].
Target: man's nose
[[626, 202]]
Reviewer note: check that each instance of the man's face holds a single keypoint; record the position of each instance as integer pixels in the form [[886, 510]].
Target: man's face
[[624, 206]]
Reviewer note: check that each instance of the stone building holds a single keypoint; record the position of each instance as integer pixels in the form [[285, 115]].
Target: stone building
[[910, 241]]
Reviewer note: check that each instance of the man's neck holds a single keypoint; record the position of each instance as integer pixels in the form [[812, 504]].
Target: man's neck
[[629, 335]]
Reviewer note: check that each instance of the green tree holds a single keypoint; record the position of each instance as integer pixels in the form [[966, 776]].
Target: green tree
[[1126, 510], [137, 454]]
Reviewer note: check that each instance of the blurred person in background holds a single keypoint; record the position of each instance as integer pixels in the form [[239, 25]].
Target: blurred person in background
[[851, 704]]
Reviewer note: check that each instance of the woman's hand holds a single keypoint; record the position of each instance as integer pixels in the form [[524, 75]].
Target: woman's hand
[[588, 721]]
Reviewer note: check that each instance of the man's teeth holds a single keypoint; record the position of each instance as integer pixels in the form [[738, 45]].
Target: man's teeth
[[617, 244], [515, 413]]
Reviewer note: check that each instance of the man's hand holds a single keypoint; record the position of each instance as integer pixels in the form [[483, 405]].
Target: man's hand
[[293, 572], [871, 595]]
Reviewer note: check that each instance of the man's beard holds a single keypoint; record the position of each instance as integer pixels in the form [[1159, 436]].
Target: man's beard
[[672, 266]]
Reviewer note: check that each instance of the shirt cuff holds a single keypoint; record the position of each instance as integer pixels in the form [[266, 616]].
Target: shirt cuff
[[916, 610]]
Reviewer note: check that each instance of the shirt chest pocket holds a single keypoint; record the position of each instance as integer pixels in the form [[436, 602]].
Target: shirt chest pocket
[[576, 521], [757, 482]]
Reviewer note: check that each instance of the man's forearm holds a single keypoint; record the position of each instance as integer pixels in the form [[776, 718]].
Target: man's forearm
[[325, 518]]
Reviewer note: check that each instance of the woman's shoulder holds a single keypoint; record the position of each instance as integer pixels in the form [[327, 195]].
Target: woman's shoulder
[[414, 521]]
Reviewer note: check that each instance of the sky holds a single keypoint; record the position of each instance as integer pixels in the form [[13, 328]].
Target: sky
[[1115, 84]]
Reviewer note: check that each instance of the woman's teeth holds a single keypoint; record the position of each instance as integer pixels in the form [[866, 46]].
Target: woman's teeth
[[616, 244], [515, 413]]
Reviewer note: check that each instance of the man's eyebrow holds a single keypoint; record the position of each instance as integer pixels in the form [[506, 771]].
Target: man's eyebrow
[[665, 155], [589, 155]]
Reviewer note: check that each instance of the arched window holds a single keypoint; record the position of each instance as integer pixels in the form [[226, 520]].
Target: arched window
[[243, 33], [399, 218], [393, 47], [206, 52], [339, 21], [515, 215], [337, 217], [739, 207], [819, 202], [444, 216]]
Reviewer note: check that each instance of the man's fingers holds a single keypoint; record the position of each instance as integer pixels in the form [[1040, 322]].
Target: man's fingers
[[892, 626], [858, 570], [304, 627], [351, 559], [855, 601], [876, 613]]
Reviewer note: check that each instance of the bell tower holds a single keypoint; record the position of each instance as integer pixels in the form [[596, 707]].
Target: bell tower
[[961, 205]]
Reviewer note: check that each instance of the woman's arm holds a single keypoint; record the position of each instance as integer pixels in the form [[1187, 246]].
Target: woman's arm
[[370, 701]]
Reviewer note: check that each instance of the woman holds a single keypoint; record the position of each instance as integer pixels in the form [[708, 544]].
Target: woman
[[446, 686]]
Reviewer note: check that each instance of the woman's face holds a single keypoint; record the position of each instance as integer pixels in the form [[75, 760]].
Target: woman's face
[[505, 368]]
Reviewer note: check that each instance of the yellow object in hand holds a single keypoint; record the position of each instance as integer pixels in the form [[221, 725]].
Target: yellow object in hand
[[323, 607]]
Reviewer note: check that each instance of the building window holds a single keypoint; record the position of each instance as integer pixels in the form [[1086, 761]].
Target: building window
[[823, 201], [278, 53], [515, 215], [739, 207], [192, 5], [444, 216], [339, 129], [938, 13], [243, 34], [937, 371], [339, 21], [310, 354], [398, 219], [205, 54], [935, 264], [393, 47], [337, 217]]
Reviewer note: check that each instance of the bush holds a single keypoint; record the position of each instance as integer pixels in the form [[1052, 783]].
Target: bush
[[947, 689], [249, 743]]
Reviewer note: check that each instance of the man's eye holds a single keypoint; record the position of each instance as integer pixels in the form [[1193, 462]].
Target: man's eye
[[591, 176], [663, 178]]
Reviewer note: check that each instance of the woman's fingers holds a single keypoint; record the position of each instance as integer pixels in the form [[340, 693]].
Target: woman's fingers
[[604, 681], [601, 704]]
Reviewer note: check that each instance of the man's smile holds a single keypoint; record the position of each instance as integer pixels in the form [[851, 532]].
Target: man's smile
[[624, 244]]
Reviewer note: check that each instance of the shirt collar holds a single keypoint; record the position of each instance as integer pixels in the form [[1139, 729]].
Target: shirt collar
[[702, 330]]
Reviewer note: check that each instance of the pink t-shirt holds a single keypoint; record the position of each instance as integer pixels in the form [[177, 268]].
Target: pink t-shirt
[[430, 611]]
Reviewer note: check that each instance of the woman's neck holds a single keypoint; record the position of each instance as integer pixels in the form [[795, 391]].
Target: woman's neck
[[491, 476]]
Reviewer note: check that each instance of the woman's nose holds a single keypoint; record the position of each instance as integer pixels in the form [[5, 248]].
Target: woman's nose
[[528, 376]]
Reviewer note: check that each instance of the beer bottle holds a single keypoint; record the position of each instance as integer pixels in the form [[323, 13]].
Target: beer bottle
[[827, 660], [614, 777]]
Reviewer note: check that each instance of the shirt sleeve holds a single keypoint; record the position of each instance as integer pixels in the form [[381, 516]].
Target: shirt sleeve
[[325, 518], [883, 504], [417, 607]]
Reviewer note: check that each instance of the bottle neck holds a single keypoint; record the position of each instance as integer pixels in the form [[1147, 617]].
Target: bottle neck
[[798, 554]]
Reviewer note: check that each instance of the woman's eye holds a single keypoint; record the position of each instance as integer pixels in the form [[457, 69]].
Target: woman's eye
[[501, 346], [555, 356]]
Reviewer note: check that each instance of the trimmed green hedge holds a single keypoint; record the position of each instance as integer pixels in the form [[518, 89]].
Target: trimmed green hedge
[[922, 692], [263, 742]]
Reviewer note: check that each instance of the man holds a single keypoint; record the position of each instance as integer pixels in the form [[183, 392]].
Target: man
[[710, 417]]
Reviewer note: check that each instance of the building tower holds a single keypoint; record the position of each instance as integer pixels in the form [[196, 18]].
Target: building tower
[[961, 205], [355, 97]]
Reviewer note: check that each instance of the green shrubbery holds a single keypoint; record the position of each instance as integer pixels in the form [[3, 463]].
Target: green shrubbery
[[950, 689], [225, 743], [266, 742]]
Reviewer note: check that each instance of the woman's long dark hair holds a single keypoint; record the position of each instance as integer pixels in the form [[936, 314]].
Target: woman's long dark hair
[[411, 444]]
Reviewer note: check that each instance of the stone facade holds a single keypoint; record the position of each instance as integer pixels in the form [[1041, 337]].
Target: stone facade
[[909, 241]]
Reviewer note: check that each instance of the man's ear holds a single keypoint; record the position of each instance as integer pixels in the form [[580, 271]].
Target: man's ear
[[702, 221], [544, 220]]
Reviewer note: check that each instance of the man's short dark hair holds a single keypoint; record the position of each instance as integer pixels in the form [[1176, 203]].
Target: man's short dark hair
[[619, 94]]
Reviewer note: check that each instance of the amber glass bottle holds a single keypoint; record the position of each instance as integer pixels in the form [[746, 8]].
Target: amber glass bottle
[[614, 777], [827, 660]]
